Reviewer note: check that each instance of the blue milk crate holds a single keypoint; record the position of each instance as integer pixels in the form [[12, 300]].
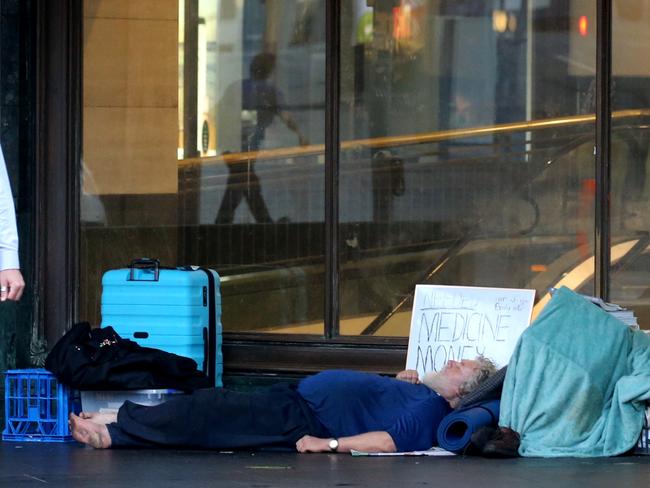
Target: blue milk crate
[[36, 407]]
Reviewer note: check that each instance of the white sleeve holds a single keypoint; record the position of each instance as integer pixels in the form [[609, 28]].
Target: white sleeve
[[8, 232]]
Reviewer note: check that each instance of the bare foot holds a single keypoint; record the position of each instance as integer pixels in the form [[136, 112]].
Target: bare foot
[[101, 418], [89, 433]]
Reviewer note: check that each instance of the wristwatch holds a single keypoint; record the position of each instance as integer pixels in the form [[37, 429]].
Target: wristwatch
[[333, 445]]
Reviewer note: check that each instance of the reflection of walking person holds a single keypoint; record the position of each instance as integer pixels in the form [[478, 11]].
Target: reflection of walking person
[[11, 280], [261, 102]]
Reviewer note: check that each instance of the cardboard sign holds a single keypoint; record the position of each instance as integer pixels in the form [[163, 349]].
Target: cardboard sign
[[461, 322]]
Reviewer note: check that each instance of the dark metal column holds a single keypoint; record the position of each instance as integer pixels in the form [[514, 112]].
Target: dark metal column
[[58, 155], [190, 78], [332, 96], [602, 235]]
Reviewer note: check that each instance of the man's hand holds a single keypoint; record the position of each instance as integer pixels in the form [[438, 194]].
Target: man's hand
[[11, 284], [409, 375], [309, 443]]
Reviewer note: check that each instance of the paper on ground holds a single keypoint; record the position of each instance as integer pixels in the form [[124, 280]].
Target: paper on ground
[[434, 451]]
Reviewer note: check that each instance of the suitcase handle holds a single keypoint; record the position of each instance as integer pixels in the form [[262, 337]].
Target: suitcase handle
[[144, 263]]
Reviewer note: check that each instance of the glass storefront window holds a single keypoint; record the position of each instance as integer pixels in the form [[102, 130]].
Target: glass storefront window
[[203, 132], [467, 136], [630, 143], [475, 165]]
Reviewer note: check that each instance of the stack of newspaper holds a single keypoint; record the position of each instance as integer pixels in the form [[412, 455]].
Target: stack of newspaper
[[623, 314]]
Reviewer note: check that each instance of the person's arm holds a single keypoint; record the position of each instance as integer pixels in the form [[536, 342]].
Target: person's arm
[[293, 126], [11, 280], [379, 441]]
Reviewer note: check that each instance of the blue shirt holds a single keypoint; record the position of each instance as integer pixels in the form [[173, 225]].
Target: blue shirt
[[264, 97], [350, 403]]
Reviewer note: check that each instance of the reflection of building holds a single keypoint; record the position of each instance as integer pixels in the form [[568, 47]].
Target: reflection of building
[[485, 160]]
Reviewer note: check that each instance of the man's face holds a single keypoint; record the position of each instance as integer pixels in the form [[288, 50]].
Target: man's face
[[458, 372]]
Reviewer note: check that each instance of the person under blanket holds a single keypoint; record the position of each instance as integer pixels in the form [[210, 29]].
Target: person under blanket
[[332, 411]]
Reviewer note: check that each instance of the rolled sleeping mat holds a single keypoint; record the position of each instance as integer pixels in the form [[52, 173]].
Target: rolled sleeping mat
[[456, 429]]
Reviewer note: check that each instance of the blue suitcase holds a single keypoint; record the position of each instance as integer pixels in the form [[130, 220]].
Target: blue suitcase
[[177, 310]]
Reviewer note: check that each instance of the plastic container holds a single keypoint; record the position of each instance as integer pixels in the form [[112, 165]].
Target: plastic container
[[37, 407], [111, 401]]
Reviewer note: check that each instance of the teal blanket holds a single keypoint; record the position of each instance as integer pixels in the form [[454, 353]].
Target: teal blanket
[[577, 382]]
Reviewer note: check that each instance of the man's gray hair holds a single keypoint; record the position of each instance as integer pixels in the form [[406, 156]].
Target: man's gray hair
[[485, 369]]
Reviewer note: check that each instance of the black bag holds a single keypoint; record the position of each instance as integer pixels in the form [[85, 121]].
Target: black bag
[[99, 359]]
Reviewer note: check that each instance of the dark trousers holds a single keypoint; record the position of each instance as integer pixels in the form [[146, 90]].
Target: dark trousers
[[243, 183], [219, 419]]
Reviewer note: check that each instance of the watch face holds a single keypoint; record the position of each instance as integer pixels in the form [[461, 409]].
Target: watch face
[[334, 444]]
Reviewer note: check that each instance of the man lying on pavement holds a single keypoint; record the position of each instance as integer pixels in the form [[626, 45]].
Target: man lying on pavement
[[332, 411]]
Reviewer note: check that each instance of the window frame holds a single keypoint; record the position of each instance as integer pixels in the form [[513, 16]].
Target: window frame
[[59, 122]]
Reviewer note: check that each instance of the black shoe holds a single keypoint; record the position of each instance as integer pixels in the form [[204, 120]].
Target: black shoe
[[481, 437], [503, 444]]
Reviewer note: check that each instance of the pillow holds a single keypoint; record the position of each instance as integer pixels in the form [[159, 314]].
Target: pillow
[[490, 389]]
